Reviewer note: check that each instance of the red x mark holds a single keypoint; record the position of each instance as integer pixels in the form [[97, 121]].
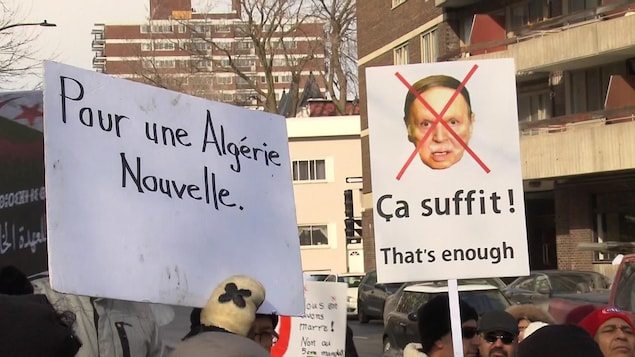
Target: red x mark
[[439, 119]]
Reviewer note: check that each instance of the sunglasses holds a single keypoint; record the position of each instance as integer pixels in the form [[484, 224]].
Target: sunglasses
[[506, 339], [468, 332]]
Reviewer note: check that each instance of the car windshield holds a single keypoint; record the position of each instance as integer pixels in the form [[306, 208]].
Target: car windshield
[[485, 300], [351, 281], [392, 287]]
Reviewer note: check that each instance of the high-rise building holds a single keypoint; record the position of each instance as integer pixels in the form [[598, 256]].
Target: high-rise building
[[219, 56], [575, 75]]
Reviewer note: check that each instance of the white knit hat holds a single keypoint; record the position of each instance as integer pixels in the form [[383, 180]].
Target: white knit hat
[[233, 304], [533, 327]]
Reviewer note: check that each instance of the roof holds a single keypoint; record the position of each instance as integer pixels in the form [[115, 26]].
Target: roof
[[434, 289]]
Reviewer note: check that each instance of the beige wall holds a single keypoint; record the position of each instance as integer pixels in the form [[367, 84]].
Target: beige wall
[[336, 140]]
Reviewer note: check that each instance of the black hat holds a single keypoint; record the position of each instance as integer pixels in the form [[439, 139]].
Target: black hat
[[498, 320], [433, 319], [559, 340]]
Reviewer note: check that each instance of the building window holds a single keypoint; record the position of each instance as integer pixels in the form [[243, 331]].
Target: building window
[[534, 106], [429, 46], [588, 87], [223, 28], [181, 29], [164, 46], [614, 221], [224, 80], [245, 45], [224, 45], [401, 54], [145, 28], [309, 170], [313, 235], [146, 46], [396, 3]]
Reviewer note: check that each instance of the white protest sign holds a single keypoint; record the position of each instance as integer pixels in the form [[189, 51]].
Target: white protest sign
[[157, 196], [322, 331], [447, 195]]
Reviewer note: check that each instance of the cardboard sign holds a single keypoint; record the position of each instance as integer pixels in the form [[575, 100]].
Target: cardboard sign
[[445, 159], [322, 330], [157, 196]]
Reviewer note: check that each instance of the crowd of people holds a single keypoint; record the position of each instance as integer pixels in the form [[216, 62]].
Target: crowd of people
[[38, 321], [523, 331]]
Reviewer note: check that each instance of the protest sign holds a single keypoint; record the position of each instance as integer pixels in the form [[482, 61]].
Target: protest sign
[[447, 193], [157, 196], [322, 329]]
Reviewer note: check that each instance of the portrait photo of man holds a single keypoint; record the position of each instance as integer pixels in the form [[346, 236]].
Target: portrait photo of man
[[441, 149]]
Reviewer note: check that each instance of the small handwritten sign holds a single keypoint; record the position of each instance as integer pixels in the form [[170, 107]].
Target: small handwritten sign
[[157, 196], [322, 330]]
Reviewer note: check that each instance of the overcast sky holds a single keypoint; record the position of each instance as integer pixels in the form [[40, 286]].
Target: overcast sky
[[70, 41]]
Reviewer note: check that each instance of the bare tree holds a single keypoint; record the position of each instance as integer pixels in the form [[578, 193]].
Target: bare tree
[[340, 39], [18, 58], [268, 30]]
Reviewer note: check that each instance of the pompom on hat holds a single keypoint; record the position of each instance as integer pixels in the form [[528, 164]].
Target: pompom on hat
[[595, 319], [233, 304]]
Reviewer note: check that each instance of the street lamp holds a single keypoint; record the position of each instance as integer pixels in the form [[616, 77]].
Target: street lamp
[[43, 23]]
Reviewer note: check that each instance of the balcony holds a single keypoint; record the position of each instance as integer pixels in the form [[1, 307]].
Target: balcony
[[578, 144], [454, 3], [557, 44]]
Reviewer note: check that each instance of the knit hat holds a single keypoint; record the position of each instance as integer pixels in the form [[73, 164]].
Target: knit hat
[[233, 304], [557, 341], [594, 320], [433, 319], [498, 320], [533, 327]]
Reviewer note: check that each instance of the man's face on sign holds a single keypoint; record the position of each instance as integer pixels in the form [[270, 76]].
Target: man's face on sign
[[441, 149]]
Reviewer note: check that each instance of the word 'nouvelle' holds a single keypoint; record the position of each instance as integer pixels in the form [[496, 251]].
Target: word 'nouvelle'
[[469, 202], [210, 192]]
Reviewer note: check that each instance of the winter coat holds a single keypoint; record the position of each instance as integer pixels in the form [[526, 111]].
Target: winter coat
[[219, 344], [107, 327], [413, 350]]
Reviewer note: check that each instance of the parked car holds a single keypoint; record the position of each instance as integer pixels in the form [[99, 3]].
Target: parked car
[[392, 300], [371, 297], [352, 280], [542, 285], [322, 276], [400, 325]]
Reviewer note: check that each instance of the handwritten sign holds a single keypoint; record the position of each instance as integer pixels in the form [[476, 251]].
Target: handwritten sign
[[158, 196], [322, 330], [445, 158]]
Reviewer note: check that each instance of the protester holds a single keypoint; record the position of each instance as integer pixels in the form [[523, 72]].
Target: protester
[[499, 334], [30, 326], [107, 327], [559, 341], [612, 329], [526, 314], [531, 328], [226, 321], [433, 321]]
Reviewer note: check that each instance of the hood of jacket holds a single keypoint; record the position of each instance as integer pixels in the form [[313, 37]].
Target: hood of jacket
[[413, 350]]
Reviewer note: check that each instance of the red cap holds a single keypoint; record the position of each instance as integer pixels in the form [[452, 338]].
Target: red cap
[[594, 320]]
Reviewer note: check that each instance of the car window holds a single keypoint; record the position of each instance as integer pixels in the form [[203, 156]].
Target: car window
[[527, 284], [410, 301], [351, 281], [542, 283]]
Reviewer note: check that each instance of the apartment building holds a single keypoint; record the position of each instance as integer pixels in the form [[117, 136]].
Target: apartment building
[[325, 159], [575, 67], [188, 51]]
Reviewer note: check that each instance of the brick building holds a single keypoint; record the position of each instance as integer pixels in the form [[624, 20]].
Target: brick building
[[181, 49], [575, 67]]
